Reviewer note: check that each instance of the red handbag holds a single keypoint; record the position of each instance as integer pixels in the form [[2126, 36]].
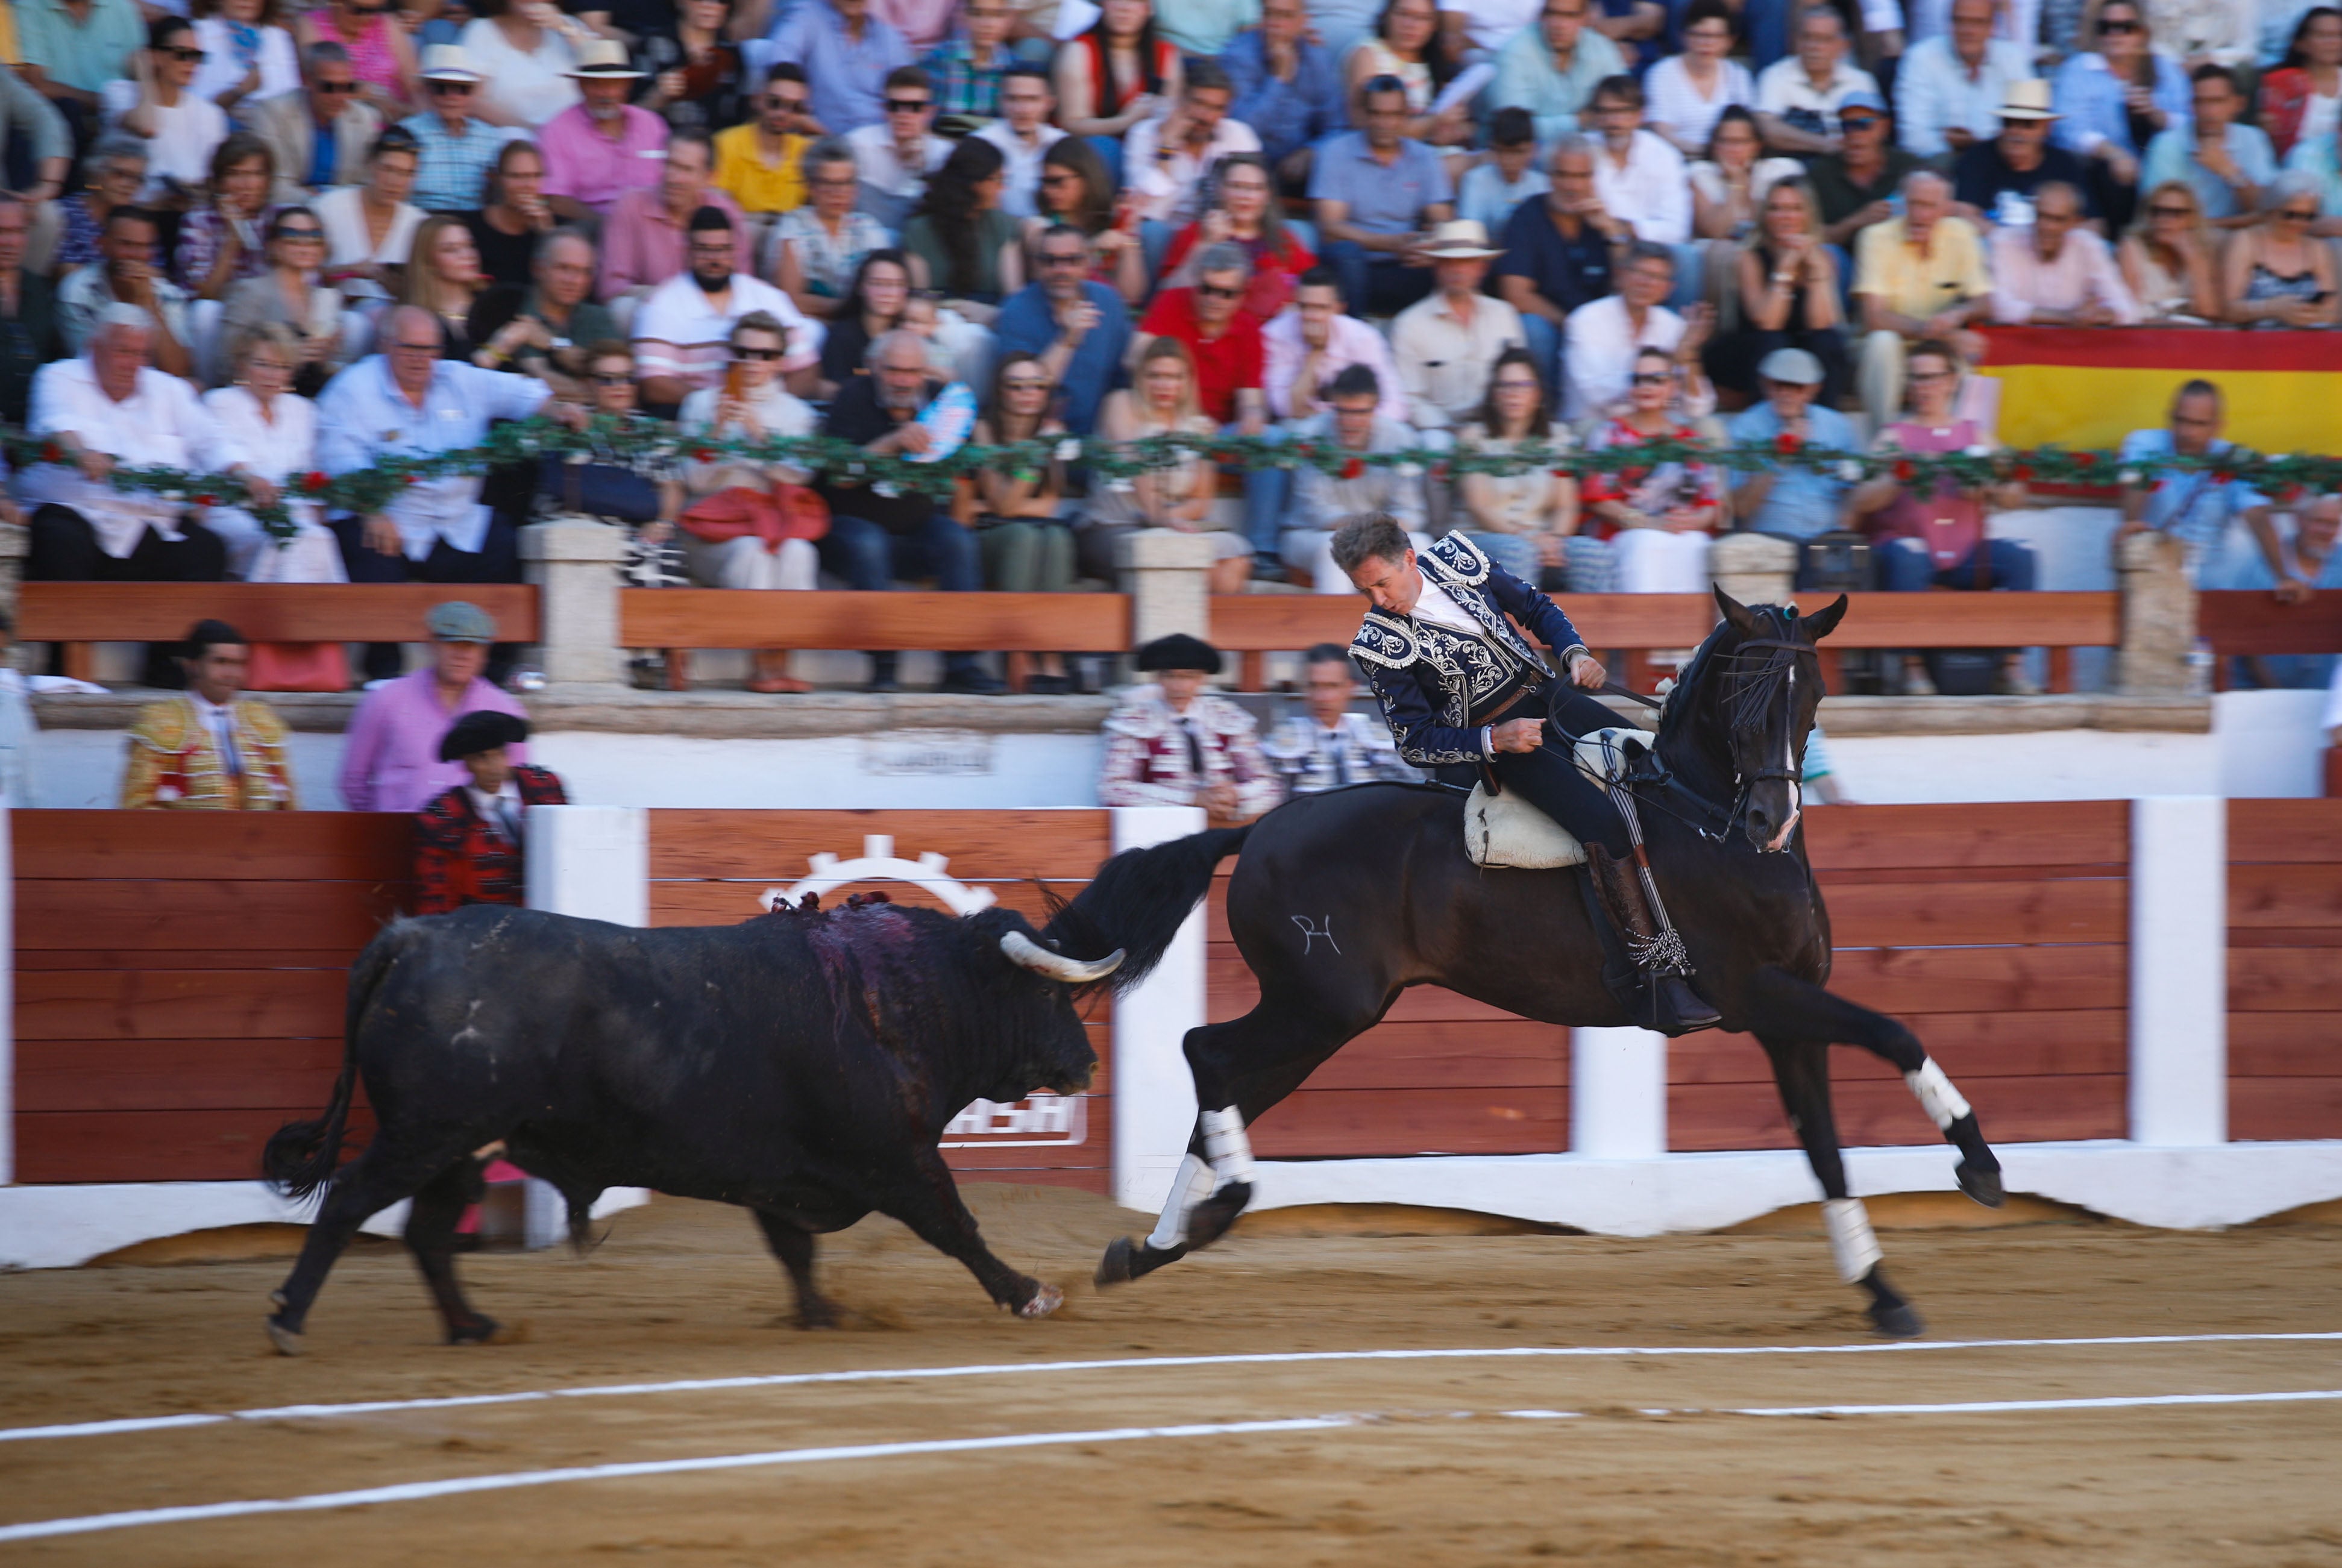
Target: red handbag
[[785, 511], [299, 667]]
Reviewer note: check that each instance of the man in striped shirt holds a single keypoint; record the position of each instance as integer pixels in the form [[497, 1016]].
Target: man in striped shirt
[[684, 327]]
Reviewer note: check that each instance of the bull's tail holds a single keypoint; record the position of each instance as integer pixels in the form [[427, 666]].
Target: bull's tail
[[300, 1157], [1139, 899]]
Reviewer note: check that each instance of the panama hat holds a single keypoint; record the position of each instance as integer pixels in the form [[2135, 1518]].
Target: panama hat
[[602, 58], [2028, 100], [1460, 239], [450, 62]]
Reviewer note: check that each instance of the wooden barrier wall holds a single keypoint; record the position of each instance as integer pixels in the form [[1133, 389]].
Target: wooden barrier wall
[[1441, 1074], [707, 868], [179, 982], [2285, 969], [1999, 934]]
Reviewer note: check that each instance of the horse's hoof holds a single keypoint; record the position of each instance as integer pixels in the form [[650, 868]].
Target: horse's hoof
[[1981, 1185], [1114, 1269], [487, 1331], [1209, 1220], [1897, 1320], [1045, 1300], [286, 1341]]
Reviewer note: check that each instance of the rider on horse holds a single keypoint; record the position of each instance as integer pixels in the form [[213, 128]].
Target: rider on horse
[[1468, 698]]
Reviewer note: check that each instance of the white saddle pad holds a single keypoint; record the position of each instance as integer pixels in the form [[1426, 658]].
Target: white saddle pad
[[1506, 831]]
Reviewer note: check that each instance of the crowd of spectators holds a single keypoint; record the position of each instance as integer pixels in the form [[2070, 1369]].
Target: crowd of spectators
[[263, 242]]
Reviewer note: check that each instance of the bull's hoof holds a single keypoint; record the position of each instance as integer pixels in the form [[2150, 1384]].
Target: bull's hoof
[[1045, 1300], [817, 1315], [1127, 1260], [1209, 1220], [486, 1330], [1895, 1319], [1981, 1185], [288, 1340]]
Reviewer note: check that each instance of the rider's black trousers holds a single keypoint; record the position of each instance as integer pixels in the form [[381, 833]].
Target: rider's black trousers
[[1551, 780]]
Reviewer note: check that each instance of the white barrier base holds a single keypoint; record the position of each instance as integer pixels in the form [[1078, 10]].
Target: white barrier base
[[61, 1227], [2168, 1188]]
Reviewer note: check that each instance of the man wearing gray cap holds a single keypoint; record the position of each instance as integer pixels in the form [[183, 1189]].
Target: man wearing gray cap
[[1787, 500], [391, 760]]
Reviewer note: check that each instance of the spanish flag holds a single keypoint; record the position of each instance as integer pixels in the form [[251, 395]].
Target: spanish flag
[[2090, 386]]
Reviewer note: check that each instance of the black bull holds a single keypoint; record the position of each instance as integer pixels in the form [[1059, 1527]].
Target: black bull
[[1341, 901], [803, 1065]]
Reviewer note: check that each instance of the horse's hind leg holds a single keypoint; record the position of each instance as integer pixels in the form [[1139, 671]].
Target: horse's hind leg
[[1241, 1068], [431, 1237], [1785, 1006], [1801, 1068]]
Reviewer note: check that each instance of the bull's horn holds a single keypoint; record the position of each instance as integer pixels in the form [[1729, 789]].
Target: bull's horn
[[1026, 954]]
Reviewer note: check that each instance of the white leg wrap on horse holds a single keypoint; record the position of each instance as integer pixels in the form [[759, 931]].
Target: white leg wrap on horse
[[1191, 1186], [1230, 1148], [1851, 1241], [1943, 1103]]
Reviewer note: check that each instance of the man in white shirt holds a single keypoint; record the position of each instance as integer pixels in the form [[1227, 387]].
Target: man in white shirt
[[1023, 133], [1312, 341], [894, 157], [1604, 335], [1797, 98], [1950, 89], [1447, 344], [109, 407], [1168, 156], [682, 328], [404, 401], [2058, 273]]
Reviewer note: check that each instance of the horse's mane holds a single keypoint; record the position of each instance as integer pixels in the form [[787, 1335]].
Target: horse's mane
[[1709, 662]]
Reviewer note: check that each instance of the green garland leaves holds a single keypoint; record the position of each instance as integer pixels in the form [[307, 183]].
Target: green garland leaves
[[657, 447]]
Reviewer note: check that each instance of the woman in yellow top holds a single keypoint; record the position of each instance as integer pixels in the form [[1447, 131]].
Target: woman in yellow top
[[210, 748]]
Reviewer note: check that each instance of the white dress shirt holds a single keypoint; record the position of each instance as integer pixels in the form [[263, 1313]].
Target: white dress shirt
[[1600, 359], [342, 217], [1783, 88], [220, 720], [1649, 191], [2083, 274], [162, 423], [1020, 192], [364, 417], [501, 811], [278, 450], [1348, 342], [1444, 362], [1166, 186], [878, 164], [1935, 93]]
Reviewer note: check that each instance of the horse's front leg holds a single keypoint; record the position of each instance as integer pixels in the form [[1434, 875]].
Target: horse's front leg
[[1801, 1069], [1781, 1005]]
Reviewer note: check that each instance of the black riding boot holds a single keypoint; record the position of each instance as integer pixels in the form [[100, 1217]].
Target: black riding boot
[[1666, 1001]]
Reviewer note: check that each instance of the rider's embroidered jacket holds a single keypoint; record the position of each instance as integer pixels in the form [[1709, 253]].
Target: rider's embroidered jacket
[[1436, 685]]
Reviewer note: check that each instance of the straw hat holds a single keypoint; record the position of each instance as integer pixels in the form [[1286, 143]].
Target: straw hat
[[604, 59], [1460, 239], [450, 62], [2028, 100]]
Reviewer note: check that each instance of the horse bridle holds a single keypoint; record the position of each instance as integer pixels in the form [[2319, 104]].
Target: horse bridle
[[1752, 691]]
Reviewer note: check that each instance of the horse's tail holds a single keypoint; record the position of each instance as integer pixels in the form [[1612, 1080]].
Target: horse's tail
[[300, 1157], [1140, 898]]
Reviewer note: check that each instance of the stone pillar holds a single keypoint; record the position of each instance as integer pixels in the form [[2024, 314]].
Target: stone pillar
[[1168, 576], [1753, 568], [575, 565], [2158, 614], [16, 544]]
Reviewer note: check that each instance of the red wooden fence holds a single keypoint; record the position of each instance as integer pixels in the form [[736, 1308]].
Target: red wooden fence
[[179, 982], [2285, 969], [707, 868]]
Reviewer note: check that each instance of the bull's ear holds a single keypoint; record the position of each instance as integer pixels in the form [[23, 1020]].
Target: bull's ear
[[1743, 619], [1824, 621]]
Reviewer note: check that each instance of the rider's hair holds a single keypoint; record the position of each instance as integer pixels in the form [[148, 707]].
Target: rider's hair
[[1369, 536]]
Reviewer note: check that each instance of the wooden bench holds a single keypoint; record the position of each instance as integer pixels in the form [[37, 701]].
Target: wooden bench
[[2251, 623], [1255, 625], [680, 619], [78, 614]]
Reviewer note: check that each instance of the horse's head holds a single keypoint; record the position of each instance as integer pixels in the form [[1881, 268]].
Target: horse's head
[[1757, 684]]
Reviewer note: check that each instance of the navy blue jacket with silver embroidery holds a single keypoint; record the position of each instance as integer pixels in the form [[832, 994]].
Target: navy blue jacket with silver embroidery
[[1430, 679]]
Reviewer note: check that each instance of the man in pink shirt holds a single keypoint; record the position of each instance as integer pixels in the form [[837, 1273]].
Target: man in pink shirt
[[390, 761], [597, 149], [643, 238], [2058, 273]]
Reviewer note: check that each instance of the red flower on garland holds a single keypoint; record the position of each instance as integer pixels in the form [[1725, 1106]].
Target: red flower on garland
[[1905, 470], [1788, 442], [53, 452], [314, 480], [208, 500], [2021, 472], [1353, 468], [2221, 477], [702, 454], [411, 479], [2085, 459]]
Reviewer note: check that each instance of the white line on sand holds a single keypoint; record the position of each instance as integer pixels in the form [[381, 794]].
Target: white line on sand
[[1124, 1364], [418, 1491]]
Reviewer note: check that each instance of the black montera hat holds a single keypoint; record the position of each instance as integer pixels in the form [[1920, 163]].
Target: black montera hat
[[483, 729], [1180, 652]]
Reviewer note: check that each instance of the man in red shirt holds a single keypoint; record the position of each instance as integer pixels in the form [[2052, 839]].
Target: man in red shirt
[[1226, 343]]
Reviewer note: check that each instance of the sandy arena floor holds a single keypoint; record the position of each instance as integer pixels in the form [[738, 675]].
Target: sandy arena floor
[[1425, 1468]]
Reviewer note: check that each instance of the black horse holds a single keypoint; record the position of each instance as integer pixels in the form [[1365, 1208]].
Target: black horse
[[1412, 910]]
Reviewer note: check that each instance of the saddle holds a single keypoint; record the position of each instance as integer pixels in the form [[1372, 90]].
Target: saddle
[[1506, 831]]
